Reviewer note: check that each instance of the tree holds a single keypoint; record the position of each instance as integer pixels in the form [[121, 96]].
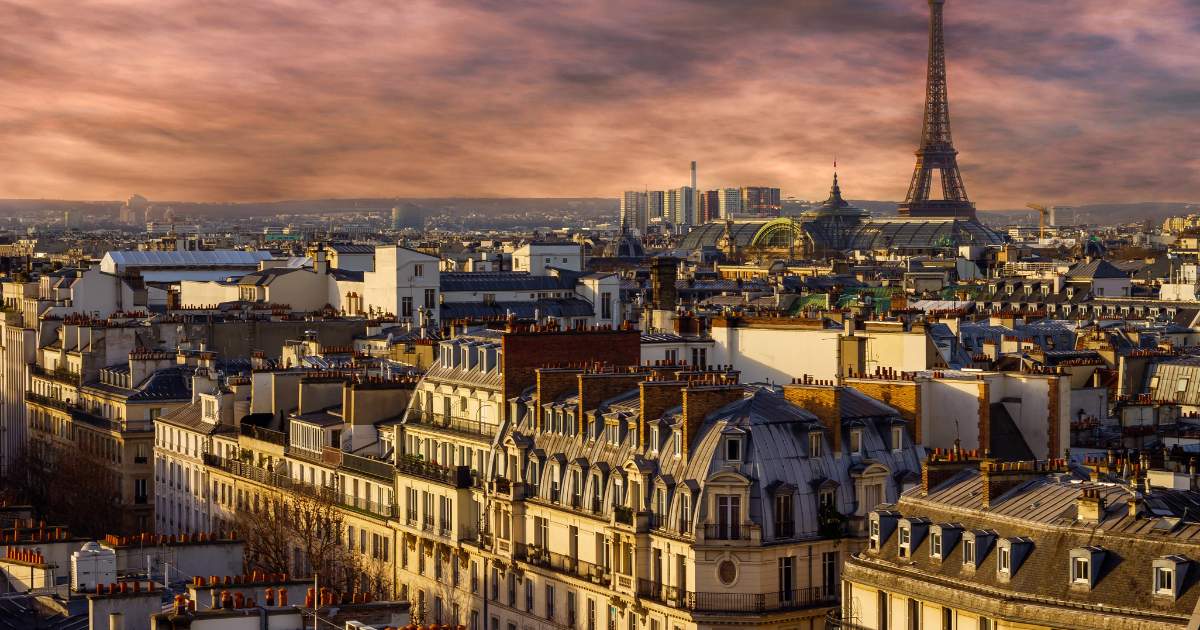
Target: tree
[[65, 487], [299, 533]]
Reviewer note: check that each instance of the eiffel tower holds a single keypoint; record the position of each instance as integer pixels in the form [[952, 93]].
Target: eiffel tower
[[937, 156]]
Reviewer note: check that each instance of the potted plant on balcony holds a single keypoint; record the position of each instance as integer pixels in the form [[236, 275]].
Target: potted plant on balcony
[[830, 522]]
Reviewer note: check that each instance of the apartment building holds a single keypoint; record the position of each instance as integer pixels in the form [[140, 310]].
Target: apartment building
[[988, 545]]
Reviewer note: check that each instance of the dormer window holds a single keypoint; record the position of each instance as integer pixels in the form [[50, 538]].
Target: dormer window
[[653, 439], [874, 534], [856, 441], [1164, 581], [935, 545], [1081, 572], [814, 443], [969, 552], [677, 447], [905, 541], [897, 438], [1004, 560], [1169, 573], [733, 449]]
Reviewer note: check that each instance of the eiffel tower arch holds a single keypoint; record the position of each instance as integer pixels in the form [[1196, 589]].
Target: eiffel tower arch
[[936, 157]]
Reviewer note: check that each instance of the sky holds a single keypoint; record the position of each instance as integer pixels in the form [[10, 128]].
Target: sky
[[1070, 101]]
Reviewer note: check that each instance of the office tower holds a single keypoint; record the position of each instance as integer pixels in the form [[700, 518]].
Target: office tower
[[681, 206], [709, 206], [633, 211], [760, 200], [730, 200], [656, 205]]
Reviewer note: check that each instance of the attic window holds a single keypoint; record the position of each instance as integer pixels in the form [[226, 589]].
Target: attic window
[[1004, 560], [1182, 385], [856, 441], [935, 545], [897, 438], [814, 443], [653, 439], [1164, 581], [1081, 570], [733, 449], [677, 448], [969, 551]]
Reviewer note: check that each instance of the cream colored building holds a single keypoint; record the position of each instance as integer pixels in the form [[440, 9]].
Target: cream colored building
[[986, 545]]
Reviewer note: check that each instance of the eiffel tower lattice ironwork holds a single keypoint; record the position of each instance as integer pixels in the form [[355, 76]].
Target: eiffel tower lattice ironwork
[[937, 155]]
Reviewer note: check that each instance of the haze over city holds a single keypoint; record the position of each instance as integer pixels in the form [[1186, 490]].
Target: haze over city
[[1075, 101]]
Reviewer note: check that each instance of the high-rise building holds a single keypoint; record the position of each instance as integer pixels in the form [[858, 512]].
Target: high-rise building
[[730, 200], [681, 206], [656, 205], [633, 211], [709, 206], [760, 200]]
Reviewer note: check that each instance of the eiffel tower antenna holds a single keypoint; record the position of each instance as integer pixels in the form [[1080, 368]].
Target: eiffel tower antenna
[[937, 156]]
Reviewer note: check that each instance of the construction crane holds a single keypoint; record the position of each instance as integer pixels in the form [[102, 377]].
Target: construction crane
[[1044, 212]]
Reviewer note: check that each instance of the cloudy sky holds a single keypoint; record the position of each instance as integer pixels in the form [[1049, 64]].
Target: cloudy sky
[[1067, 101]]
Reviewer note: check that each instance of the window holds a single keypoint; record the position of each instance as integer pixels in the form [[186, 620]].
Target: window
[[430, 298], [549, 601], [606, 305], [1164, 580], [935, 545], [733, 449], [986, 624], [676, 444], [856, 442], [418, 270], [882, 607], [947, 619], [1182, 385], [814, 444], [787, 571], [897, 438], [528, 595], [406, 306], [826, 497], [1080, 571], [685, 513], [1004, 560], [874, 534], [914, 614], [729, 519], [829, 566], [785, 525], [969, 551], [905, 539]]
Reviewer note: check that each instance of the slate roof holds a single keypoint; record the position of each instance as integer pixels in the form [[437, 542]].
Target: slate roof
[[561, 307], [486, 282], [1043, 509], [1097, 269]]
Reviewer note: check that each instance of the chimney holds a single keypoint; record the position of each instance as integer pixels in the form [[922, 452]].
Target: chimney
[[655, 398], [942, 464], [823, 401], [595, 388], [1000, 477], [552, 383], [1089, 506], [321, 264], [700, 402]]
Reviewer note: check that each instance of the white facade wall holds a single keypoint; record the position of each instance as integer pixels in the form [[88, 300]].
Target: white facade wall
[[401, 273]]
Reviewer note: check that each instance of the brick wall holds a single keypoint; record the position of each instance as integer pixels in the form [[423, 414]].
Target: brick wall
[[699, 402], [551, 384], [596, 388], [823, 402], [905, 396], [525, 351], [655, 398]]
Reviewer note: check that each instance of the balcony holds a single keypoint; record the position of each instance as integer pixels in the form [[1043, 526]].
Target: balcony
[[727, 531], [560, 563], [459, 477], [264, 434], [61, 375], [473, 428], [798, 599], [283, 482], [81, 415], [623, 515]]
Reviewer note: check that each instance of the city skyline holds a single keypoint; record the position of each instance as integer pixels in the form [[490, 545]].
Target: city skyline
[[464, 99]]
